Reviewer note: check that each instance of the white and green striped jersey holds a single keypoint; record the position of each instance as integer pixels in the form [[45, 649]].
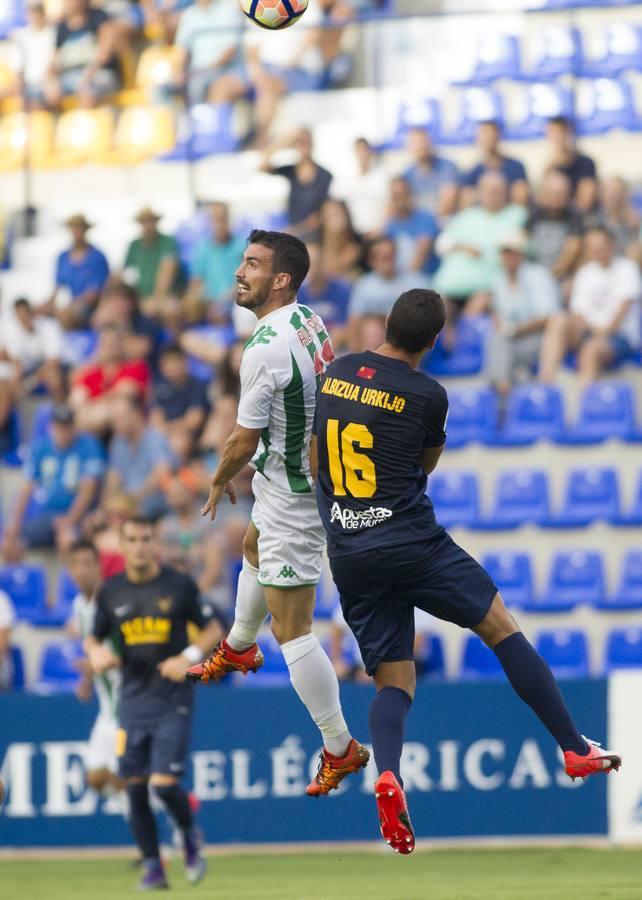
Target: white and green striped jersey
[[107, 685], [282, 364]]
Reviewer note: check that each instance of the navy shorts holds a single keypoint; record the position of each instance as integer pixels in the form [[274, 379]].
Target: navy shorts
[[154, 746], [380, 589]]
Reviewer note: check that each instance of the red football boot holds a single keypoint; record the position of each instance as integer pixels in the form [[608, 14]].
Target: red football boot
[[225, 660], [396, 827], [333, 769], [595, 761]]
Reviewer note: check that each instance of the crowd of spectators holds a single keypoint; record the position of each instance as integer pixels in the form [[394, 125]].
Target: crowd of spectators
[[554, 265]]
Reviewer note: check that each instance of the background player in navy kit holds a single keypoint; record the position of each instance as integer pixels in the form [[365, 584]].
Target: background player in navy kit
[[379, 431], [147, 610]]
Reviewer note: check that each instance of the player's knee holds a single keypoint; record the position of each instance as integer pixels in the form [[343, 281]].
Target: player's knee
[[497, 625]]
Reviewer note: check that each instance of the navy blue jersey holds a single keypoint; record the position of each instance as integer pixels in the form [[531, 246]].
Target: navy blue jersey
[[374, 417]]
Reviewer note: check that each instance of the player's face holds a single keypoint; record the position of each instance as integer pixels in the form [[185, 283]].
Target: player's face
[[254, 277], [84, 568], [137, 546]]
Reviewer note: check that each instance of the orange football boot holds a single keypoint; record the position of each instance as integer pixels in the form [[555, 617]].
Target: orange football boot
[[593, 763], [333, 769], [225, 660], [394, 821]]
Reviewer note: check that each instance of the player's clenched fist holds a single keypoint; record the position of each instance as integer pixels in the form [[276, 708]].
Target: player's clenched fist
[[101, 658], [174, 667]]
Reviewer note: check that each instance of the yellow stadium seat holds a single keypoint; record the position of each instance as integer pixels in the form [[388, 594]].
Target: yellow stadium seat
[[25, 133], [81, 135], [8, 80], [156, 66], [141, 132]]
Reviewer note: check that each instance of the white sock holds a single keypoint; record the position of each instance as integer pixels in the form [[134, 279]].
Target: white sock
[[315, 681], [250, 611]]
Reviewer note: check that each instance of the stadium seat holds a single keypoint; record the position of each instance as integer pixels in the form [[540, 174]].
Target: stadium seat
[[206, 130], [25, 134], [605, 104], [10, 441], [476, 104], [26, 585], [142, 132], [17, 669], [12, 16], [80, 346], [467, 357], [8, 82], [431, 664], [565, 651], [512, 573], [66, 590], [623, 649], [521, 496], [81, 135], [592, 494], [498, 56], [535, 105], [158, 66], [606, 411], [620, 49], [455, 497], [554, 50], [576, 578], [58, 667], [479, 662], [632, 516], [534, 412], [472, 416], [628, 595], [417, 112]]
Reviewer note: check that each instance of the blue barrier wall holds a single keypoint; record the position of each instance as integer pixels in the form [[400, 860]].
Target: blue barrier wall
[[477, 763]]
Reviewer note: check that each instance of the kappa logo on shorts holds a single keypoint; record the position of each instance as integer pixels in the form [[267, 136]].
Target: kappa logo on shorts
[[287, 572]]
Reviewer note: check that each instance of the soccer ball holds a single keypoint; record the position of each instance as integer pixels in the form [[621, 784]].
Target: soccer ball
[[274, 14]]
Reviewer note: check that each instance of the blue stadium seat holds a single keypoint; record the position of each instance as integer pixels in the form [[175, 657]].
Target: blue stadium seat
[[432, 663], [26, 585], [576, 577], [565, 651], [623, 649], [605, 104], [534, 412], [592, 494], [418, 112], [621, 43], [207, 129], [79, 346], [632, 516], [497, 56], [476, 104], [472, 416], [66, 589], [455, 497], [555, 50], [12, 16], [606, 411], [58, 667], [478, 662], [513, 575], [537, 104], [17, 669], [10, 440], [467, 357], [521, 496], [628, 595]]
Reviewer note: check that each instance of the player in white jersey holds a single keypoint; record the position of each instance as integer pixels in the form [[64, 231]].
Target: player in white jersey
[[282, 363], [84, 567]]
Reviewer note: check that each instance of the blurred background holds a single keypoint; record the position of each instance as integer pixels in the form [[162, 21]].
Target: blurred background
[[491, 150]]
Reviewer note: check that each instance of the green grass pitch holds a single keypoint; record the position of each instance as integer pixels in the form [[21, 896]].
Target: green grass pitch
[[539, 874]]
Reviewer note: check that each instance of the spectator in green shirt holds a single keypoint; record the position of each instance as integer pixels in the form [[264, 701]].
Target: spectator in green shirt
[[152, 265], [211, 289]]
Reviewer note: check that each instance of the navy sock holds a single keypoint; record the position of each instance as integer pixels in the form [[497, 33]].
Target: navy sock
[[142, 821], [387, 718], [533, 681], [176, 802]]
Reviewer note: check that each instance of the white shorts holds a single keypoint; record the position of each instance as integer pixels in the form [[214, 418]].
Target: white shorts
[[101, 747], [291, 536]]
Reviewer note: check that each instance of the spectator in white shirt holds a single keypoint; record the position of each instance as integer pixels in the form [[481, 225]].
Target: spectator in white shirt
[[34, 345], [34, 45], [603, 323], [365, 189], [6, 623]]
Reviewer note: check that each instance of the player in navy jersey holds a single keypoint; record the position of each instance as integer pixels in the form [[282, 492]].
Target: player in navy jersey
[[380, 428], [146, 611]]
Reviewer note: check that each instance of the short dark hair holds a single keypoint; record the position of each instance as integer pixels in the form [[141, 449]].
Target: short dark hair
[[83, 545], [172, 350], [415, 320], [562, 121], [603, 230], [289, 254], [137, 519], [21, 301], [491, 123], [135, 402]]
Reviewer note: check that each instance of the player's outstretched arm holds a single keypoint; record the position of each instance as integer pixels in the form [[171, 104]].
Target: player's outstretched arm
[[239, 449]]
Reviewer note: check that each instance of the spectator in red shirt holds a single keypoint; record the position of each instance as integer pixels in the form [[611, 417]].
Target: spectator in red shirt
[[112, 375]]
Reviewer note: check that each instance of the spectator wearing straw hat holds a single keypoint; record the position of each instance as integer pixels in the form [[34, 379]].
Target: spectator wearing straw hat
[[81, 273], [152, 263]]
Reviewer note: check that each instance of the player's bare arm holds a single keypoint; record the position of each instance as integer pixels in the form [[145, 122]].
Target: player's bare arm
[[430, 457], [100, 657], [174, 667], [239, 449]]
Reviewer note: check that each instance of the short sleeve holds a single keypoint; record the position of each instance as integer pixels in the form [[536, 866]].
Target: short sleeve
[[586, 168], [627, 285], [169, 248], [258, 385], [102, 620], [7, 615], [198, 395], [285, 171], [93, 463], [427, 225], [435, 415], [183, 32]]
